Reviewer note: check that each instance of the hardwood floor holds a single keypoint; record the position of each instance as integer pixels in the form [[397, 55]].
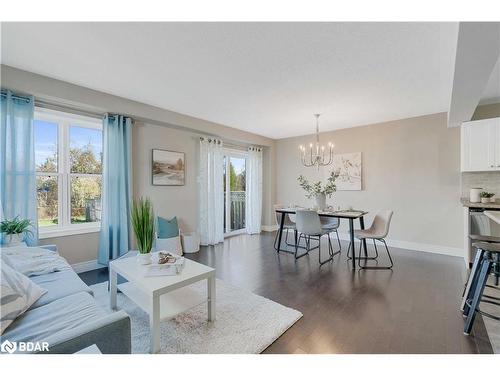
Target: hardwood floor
[[411, 309]]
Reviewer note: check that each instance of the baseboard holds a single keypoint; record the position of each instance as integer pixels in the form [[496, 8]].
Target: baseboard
[[428, 248], [86, 266], [269, 228]]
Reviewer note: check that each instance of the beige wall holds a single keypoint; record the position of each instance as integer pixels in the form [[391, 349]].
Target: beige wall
[[168, 201], [171, 130], [411, 166], [76, 248]]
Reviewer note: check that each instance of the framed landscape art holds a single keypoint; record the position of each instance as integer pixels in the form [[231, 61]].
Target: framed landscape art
[[168, 168]]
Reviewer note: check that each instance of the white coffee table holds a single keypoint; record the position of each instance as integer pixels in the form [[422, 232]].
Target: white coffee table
[[162, 297]]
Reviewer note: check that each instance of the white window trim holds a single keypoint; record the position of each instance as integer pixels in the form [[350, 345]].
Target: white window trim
[[64, 120]]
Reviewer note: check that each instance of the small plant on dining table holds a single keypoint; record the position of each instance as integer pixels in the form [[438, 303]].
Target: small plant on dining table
[[316, 188]]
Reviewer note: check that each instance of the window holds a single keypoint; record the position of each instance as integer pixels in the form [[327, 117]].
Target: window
[[234, 191], [68, 158]]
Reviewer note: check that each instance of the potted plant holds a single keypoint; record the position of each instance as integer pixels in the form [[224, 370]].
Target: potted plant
[[143, 224], [15, 230], [318, 190], [487, 197]]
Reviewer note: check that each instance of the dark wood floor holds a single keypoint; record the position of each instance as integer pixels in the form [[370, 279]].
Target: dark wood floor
[[412, 309]]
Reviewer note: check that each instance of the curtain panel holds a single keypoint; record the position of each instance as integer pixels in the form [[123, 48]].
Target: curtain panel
[[254, 191], [211, 192], [17, 161], [114, 239]]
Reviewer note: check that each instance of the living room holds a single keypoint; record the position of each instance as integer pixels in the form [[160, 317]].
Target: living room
[[250, 187]]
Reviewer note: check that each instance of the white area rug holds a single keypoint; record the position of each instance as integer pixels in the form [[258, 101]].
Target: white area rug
[[245, 323]]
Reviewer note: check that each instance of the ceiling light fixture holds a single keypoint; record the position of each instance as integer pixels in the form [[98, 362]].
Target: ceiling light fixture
[[315, 156]]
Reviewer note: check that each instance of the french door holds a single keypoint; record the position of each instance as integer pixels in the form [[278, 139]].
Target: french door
[[234, 192]]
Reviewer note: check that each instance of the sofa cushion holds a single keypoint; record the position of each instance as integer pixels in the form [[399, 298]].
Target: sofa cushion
[[59, 285], [66, 313], [33, 261], [18, 293]]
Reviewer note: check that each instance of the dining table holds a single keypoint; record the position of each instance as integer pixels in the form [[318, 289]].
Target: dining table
[[350, 215]]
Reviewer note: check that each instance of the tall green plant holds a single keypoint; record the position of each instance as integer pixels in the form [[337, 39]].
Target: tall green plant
[[143, 223]]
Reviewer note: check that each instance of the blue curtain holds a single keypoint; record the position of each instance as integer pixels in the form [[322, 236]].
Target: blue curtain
[[17, 161], [116, 189]]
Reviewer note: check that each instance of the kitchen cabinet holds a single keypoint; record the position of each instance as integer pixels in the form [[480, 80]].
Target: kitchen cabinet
[[480, 145]]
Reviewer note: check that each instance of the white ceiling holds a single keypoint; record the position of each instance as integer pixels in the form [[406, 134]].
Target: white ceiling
[[492, 92], [268, 79]]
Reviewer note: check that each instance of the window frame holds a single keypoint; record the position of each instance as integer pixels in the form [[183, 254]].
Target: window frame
[[64, 122], [237, 154]]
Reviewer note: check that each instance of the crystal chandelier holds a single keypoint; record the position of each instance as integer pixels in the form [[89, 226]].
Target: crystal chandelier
[[316, 154]]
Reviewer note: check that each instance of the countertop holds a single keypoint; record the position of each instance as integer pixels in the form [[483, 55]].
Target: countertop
[[466, 203]]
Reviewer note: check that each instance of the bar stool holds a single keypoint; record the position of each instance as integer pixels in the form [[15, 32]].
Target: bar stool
[[485, 261], [475, 265]]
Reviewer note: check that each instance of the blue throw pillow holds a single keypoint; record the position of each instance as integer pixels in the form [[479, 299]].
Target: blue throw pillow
[[168, 228]]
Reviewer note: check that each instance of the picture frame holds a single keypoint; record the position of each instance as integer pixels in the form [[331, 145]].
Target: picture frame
[[168, 168]]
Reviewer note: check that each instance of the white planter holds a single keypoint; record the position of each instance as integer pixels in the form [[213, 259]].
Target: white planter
[[191, 242], [493, 200], [321, 201], [485, 200], [15, 239], [144, 259], [474, 195]]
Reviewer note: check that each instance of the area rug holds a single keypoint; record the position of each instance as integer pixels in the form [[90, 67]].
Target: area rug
[[245, 323]]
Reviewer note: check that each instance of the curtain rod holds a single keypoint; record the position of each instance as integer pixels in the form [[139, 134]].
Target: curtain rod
[[17, 97], [64, 108]]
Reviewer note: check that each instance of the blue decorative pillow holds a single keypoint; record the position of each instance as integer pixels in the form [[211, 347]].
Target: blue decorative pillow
[[168, 228]]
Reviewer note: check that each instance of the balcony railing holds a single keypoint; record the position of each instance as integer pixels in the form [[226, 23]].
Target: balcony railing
[[237, 203]]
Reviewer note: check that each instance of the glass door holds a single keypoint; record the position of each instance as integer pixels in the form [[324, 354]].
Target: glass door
[[234, 193]]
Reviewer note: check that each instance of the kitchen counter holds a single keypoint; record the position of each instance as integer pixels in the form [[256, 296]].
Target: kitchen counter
[[466, 203]]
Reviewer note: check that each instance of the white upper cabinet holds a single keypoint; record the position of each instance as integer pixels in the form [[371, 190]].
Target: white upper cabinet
[[480, 145]]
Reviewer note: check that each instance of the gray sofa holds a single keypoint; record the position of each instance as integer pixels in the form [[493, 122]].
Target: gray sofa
[[68, 318]]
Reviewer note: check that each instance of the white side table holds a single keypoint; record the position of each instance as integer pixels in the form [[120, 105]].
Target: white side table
[[162, 297]]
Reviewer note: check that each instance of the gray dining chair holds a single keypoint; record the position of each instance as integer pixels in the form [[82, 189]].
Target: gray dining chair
[[309, 226], [287, 225], [331, 223], [377, 232]]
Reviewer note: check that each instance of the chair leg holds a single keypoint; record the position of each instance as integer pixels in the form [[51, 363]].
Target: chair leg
[[359, 255], [478, 293], [297, 247], [338, 239], [330, 251], [376, 250], [378, 267]]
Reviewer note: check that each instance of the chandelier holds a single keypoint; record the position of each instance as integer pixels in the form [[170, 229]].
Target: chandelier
[[315, 156]]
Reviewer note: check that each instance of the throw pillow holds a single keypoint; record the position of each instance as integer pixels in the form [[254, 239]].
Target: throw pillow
[[167, 228], [18, 293]]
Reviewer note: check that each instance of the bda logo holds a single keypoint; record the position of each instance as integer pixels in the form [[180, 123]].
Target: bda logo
[[9, 347]]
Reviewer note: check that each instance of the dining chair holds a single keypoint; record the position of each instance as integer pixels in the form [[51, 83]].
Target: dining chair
[[377, 232], [333, 224], [309, 226], [287, 225]]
